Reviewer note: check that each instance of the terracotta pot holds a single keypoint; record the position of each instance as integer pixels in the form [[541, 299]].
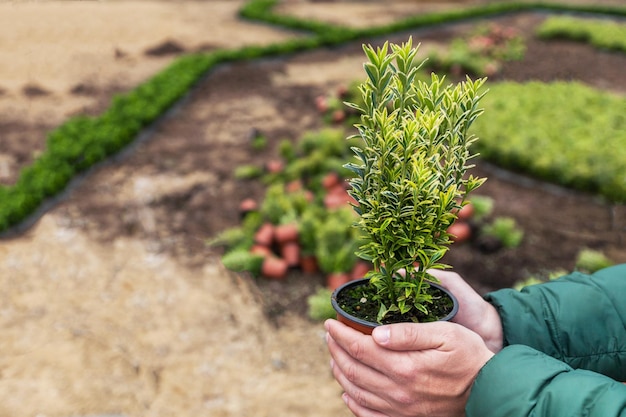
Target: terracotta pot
[[286, 233], [274, 166], [321, 103], [290, 252], [309, 196], [360, 269], [335, 280], [336, 197], [365, 326], [308, 264], [330, 180], [340, 188], [332, 201], [274, 268], [351, 200], [342, 91], [261, 250], [294, 186], [264, 235], [247, 205], [338, 116]]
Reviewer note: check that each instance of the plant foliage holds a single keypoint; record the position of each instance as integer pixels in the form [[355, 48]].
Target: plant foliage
[[481, 53], [603, 34], [410, 173], [590, 261], [506, 230], [566, 133]]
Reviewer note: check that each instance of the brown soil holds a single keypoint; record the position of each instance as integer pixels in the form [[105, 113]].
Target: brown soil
[[113, 303]]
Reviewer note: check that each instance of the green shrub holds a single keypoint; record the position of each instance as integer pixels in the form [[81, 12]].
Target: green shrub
[[590, 261], [506, 230], [337, 241], [483, 206], [310, 222], [232, 237], [540, 278], [248, 172], [481, 52], [603, 34], [242, 260], [566, 133], [320, 307]]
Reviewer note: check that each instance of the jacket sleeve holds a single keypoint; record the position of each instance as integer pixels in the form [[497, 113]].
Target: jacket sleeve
[[578, 319], [522, 382], [565, 350]]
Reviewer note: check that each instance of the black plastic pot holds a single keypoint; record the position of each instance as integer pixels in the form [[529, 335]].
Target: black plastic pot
[[365, 326]]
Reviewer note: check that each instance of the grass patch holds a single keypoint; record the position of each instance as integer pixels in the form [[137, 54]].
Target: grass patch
[[601, 33], [566, 133]]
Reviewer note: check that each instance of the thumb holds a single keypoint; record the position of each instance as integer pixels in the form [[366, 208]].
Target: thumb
[[412, 336]]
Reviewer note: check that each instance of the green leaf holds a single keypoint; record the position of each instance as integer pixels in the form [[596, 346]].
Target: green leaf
[[382, 312]]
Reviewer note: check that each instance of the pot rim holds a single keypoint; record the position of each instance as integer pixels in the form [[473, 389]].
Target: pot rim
[[372, 325]]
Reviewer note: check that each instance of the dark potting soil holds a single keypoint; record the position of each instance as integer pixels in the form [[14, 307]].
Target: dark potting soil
[[358, 301]]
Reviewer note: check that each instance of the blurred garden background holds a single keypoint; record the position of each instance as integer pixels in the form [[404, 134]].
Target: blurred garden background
[[144, 146]]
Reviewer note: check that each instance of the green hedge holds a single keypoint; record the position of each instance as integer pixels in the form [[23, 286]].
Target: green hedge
[[81, 142], [261, 10], [603, 34], [567, 133]]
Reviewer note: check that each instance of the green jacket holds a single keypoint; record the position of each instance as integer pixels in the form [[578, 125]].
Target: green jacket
[[565, 350]]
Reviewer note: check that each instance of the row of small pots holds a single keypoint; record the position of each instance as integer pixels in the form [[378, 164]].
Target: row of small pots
[[281, 251], [279, 246], [336, 191]]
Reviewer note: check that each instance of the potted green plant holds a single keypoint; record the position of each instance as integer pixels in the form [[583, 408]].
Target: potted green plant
[[410, 180], [337, 242]]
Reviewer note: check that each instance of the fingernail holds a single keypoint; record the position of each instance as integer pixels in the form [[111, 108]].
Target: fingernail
[[381, 335], [345, 398], [332, 364]]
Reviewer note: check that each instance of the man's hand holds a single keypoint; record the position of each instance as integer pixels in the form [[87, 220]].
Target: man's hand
[[474, 312], [421, 369]]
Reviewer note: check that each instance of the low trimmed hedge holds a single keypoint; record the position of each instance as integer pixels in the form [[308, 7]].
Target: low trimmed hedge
[[603, 34], [567, 133], [82, 141]]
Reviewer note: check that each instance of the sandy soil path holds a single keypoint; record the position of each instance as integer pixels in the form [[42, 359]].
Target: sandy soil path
[[90, 328]]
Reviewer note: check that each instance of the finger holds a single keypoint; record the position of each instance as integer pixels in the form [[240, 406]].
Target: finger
[[470, 302], [355, 370], [374, 376], [413, 336], [452, 281], [365, 399], [357, 373], [360, 411], [359, 346], [443, 276]]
